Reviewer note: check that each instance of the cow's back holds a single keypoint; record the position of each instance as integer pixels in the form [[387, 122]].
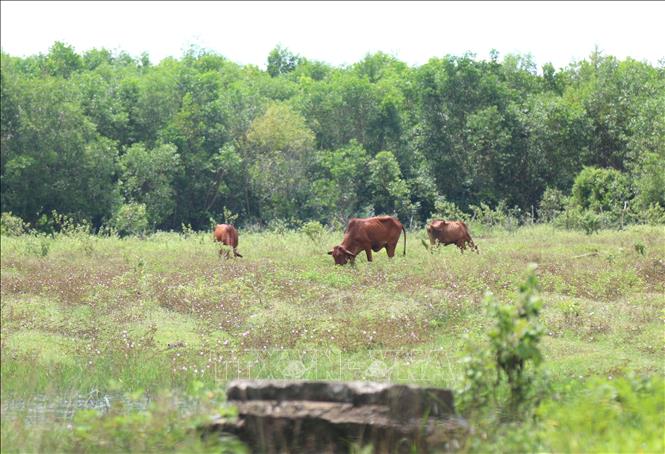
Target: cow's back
[[391, 227], [377, 228], [226, 234], [450, 231]]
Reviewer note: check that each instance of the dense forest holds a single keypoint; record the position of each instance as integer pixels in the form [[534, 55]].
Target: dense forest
[[114, 140]]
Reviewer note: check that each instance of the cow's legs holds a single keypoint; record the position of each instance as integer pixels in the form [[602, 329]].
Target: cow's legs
[[223, 251], [469, 242], [390, 249], [368, 251], [474, 247], [432, 239], [461, 245]]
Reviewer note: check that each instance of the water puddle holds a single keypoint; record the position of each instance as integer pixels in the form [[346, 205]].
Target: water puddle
[[58, 409]]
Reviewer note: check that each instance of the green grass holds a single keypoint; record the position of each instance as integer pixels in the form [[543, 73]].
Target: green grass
[[96, 310]]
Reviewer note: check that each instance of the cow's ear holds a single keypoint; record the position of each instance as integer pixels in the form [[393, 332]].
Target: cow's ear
[[329, 252]]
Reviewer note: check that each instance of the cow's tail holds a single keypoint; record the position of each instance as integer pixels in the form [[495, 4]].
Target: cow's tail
[[404, 230]]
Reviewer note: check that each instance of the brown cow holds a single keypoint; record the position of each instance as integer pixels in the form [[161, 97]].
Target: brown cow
[[228, 235], [450, 232], [369, 234]]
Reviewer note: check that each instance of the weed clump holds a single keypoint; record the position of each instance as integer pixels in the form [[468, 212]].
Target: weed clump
[[505, 377]]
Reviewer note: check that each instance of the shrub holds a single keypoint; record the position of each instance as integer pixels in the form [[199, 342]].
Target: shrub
[[484, 214], [478, 380], [601, 191], [623, 414], [552, 203], [229, 216], [11, 225], [513, 341], [515, 336], [445, 209], [570, 218], [649, 181], [575, 218], [501, 216], [281, 226], [63, 224], [640, 248], [130, 219], [590, 222], [187, 230], [314, 230], [653, 215], [67, 225]]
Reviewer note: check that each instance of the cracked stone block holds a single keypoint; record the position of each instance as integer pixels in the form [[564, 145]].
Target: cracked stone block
[[279, 416]]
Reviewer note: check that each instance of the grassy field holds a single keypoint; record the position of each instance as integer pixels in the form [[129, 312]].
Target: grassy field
[[86, 314]]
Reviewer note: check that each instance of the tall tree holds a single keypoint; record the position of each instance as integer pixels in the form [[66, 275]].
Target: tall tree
[[281, 61], [146, 176], [279, 150]]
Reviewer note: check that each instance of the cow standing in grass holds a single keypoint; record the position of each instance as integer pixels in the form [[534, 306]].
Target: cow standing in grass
[[368, 234], [450, 232], [227, 235]]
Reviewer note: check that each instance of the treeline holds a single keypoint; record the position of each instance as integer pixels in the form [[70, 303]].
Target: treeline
[[114, 140]]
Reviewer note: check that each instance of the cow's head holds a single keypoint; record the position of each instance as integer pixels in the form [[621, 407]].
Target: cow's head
[[437, 226], [341, 255]]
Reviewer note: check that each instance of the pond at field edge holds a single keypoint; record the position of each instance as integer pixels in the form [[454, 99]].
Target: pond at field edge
[[44, 409]]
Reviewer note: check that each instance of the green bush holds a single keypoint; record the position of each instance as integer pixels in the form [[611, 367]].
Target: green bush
[[649, 181], [39, 244], [576, 218], [513, 341], [501, 216], [590, 222], [605, 415], [515, 336], [552, 203], [279, 226], [653, 215], [187, 230], [314, 230], [11, 225], [601, 191], [130, 219], [59, 223], [445, 209], [67, 225], [569, 219], [486, 216], [229, 216], [640, 248]]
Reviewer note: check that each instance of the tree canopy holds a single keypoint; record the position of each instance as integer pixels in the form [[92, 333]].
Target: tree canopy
[[91, 134]]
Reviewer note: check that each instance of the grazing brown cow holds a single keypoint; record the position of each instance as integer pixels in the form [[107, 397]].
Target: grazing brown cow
[[369, 234], [450, 232], [228, 235]]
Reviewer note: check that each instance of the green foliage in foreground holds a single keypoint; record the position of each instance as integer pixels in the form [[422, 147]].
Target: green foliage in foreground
[[625, 414], [599, 415], [528, 411]]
